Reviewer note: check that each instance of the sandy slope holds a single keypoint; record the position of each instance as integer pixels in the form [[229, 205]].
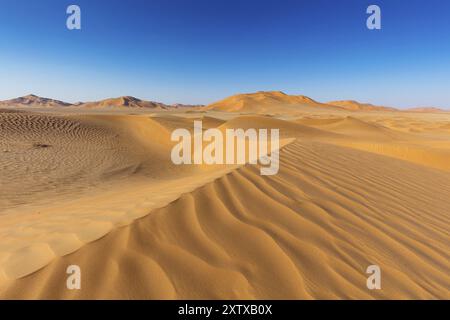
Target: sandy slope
[[68, 180], [308, 233], [351, 192]]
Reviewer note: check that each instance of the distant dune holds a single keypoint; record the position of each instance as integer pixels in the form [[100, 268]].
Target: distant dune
[[270, 102], [354, 126], [33, 101], [265, 102], [357, 106], [124, 102], [427, 109]]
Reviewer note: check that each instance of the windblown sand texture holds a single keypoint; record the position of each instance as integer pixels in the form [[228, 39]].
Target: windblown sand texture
[[356, 187]]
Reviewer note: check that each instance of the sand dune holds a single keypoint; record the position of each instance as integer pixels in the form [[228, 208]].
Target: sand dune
[[80, 176], [42, 153], [426, 109], [270, 102], [378, 138], [276, 102], [261, 102], [309, 232], [124, 102], [358, 106], [174, 122], [32, 100], [355, 127], [287, 128], [100, 191]]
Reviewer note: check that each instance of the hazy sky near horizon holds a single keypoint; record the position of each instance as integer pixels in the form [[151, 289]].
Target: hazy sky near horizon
[[199, 51]]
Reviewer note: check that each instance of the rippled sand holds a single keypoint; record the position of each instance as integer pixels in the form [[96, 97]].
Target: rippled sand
[[100, 191]]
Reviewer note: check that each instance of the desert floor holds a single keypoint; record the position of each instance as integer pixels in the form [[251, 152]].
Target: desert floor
[[99, 190]]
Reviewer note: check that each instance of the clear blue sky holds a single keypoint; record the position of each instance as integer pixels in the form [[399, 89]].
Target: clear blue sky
[[198, 51]]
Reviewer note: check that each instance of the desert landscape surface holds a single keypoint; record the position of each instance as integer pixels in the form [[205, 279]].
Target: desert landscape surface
[[92, 184]]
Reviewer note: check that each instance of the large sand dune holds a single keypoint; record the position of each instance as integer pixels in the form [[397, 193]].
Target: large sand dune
[[100, 191], [308, 233], [270, 102]]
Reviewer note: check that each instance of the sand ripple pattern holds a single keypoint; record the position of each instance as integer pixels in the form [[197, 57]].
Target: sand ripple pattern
[[47, 156], [309, 232]]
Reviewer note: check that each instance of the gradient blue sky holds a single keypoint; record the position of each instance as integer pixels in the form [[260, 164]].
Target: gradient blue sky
[[199, 51]]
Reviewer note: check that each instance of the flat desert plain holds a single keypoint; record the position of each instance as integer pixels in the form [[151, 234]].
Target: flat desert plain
[[97, 189]]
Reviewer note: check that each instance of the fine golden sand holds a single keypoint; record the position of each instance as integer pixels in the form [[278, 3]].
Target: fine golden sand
[[100, 191]]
